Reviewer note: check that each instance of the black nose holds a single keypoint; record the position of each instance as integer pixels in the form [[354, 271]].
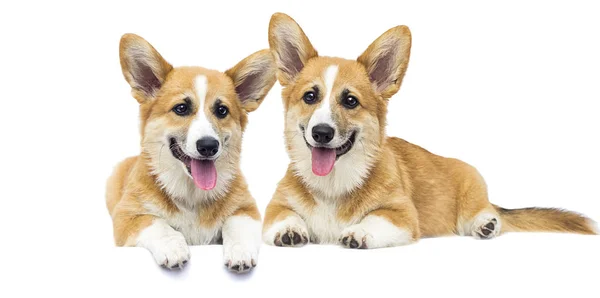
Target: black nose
[[323, 133], [207, 146]]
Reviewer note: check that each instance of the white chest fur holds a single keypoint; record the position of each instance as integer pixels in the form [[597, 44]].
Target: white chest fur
[[321, 220], [187, 221]]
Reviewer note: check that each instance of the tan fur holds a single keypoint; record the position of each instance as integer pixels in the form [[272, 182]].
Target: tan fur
[[545, 220], [417, 191], [115, 185], [135, 196], [140, 189], [299, 40]]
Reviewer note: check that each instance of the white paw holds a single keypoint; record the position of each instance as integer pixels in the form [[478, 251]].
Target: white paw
[[171, 251], [356, 236], [168, 247], [375, 232], [240, 257], [291, 231], [241, 242], [486, 226]]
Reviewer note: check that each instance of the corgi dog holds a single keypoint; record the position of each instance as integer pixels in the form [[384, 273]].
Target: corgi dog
[[350, 184], [185, 187]]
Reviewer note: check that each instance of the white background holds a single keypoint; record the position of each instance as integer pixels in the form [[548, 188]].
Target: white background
[[510, 87]]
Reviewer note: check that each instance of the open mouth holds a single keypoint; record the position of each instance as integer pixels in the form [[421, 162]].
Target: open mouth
[[323, 158], [203, 171]]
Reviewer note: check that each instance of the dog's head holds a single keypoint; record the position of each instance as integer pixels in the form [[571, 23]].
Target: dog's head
[[336, 108], [192, 118]]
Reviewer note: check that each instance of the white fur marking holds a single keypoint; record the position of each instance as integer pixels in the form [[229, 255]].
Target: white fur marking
[[168, 247], [186, 221], [321, 220], [241, 242], [201, 86], [201, 126], [323, 114], [377, 231], [330, 74]]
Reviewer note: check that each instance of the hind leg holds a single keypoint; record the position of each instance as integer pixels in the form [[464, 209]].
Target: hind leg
[[486, 226], [477, 217]]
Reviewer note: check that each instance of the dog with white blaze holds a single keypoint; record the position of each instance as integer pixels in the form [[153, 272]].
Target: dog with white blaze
[[186, 187], [348, 182]]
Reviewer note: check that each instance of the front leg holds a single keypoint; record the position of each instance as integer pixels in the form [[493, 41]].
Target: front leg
[[167, 246], [383, 228], [284, 227], [241, 240]]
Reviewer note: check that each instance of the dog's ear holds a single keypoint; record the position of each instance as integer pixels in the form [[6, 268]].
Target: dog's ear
[[143, 67], [290, 47], [253, 77], [386, 60]]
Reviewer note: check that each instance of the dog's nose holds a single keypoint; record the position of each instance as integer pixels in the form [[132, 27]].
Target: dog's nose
[[207, 147], [322, 133]]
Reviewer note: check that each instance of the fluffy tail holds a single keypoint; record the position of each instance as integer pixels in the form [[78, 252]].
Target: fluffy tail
[[546, 220]]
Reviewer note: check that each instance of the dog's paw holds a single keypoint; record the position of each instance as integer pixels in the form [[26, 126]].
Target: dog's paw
[[290, 232], [239, 257], [291, 236], [171, 251], [486, 226], [355, 237]]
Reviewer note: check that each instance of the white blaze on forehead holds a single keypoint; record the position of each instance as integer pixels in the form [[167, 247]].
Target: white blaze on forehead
[[323, 114], [201, 86], [201, 126], [330, 75]]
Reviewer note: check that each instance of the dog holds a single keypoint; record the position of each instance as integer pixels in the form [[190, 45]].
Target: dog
[[185, 187], [350, 184]]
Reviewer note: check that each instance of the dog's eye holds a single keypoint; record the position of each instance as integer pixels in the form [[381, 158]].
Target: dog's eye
[[221, 111], [309, 97], [181, 109], [350, 102]]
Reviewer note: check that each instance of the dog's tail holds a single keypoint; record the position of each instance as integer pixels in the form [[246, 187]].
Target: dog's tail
[[546, 220]]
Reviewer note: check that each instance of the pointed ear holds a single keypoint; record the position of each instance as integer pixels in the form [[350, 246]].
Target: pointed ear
[[386, 60], [253, 77], [143, 67], [290, 47]]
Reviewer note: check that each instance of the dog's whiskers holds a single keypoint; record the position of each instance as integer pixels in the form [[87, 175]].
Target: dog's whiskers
[[364, 149], [160, 152]]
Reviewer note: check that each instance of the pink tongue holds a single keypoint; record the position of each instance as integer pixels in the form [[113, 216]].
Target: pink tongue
[[322, 160], [204, 173]]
